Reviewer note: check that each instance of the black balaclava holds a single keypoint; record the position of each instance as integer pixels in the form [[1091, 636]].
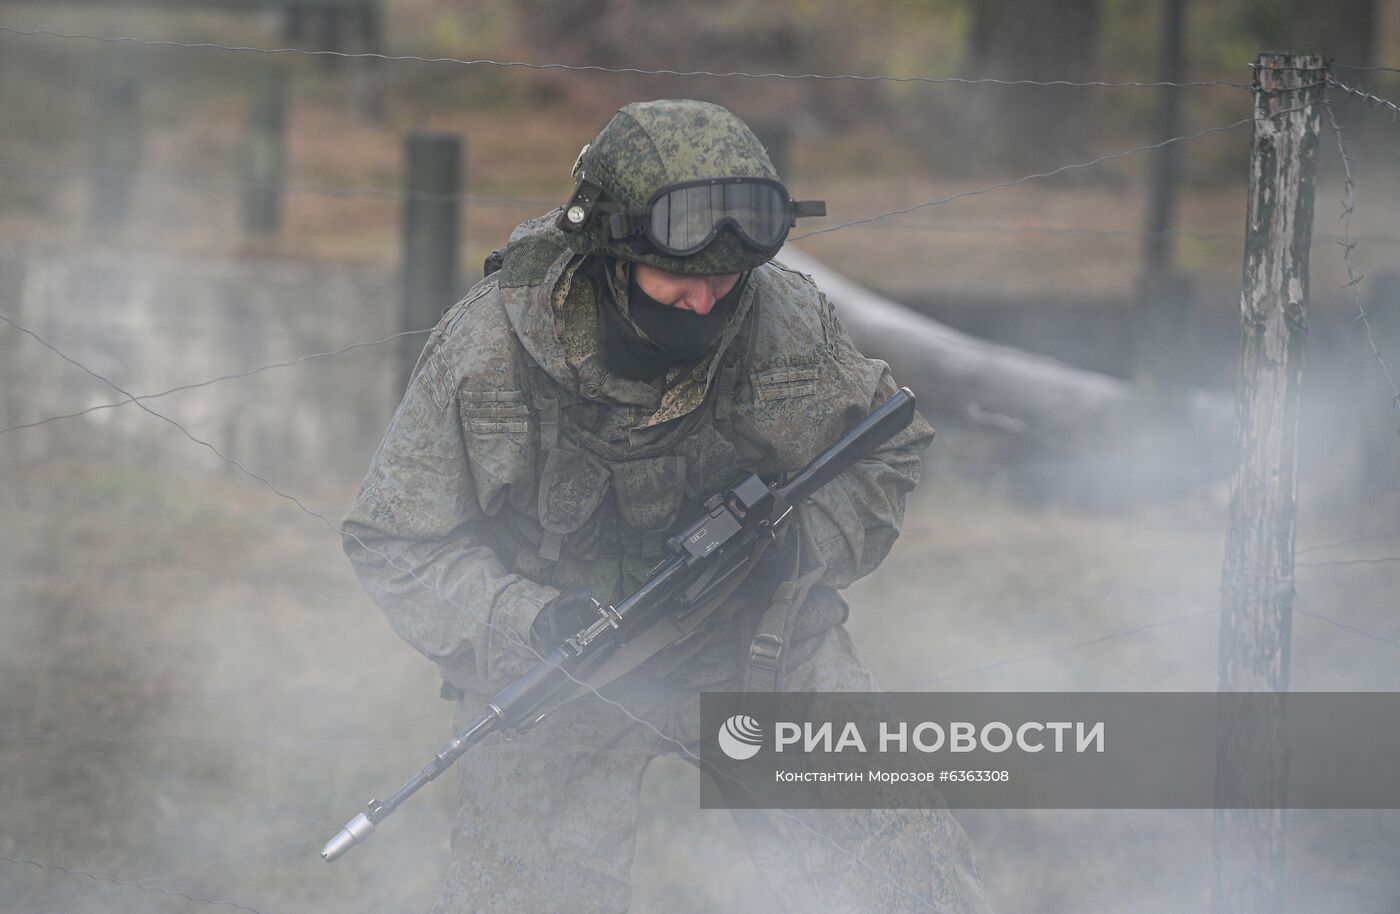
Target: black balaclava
[[650, 338]]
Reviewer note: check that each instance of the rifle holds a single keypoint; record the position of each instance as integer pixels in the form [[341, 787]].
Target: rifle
[[704, 557]]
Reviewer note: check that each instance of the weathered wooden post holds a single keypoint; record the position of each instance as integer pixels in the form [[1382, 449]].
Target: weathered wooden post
[[431, 236], [265, 153], [1257, 577], [116, 142]]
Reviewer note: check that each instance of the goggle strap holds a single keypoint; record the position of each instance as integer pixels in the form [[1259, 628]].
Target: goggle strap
[[628, 223], [620, 226], [802, 209]]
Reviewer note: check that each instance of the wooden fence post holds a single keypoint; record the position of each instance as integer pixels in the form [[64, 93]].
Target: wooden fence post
[[431, 236], [116, 142], [1257, 574], [265, 153]]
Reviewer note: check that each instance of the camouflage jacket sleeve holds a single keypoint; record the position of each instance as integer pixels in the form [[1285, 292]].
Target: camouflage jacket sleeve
[[412, 536], [855, 518]]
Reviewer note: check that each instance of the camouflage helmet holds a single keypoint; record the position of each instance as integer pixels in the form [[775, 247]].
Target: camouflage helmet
[[650, 146]]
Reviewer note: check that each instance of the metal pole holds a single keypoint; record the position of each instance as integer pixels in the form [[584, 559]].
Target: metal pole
[[431, 236], [1257, 575]]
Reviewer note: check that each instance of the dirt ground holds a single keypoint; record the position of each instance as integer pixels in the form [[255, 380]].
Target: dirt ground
[[195, 694]]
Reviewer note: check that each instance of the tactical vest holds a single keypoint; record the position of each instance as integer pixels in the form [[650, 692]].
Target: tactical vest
[[606, 504], [608, 493]]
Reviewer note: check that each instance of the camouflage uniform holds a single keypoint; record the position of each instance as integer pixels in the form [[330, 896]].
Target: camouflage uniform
[[517, 465]]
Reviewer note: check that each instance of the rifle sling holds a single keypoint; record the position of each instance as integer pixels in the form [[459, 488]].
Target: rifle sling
[[763, 671]]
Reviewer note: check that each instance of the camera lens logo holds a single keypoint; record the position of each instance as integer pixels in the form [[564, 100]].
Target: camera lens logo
[[741, 737]]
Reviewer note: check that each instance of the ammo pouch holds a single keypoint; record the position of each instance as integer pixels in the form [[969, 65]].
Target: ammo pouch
[[572, 485], [649, 493]]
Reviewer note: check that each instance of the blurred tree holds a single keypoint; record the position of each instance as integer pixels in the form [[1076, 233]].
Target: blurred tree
[[1344, 30], [713, 35], [1025, 128], [734, 34]]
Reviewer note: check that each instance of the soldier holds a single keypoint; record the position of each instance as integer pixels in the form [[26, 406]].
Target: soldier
[[627, 355]]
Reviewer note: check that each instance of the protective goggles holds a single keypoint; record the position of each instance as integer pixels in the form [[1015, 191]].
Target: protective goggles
[[684, 218]]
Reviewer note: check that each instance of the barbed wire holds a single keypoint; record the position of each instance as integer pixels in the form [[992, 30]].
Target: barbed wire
[[544, 204], [548, 205], [963, 672], [25, 737], [1025, 658], [515, 638], [1247, 582], [1366, 96], [950, 337], [1078, 645], [259, 741], [973, 228], [1238, 580], [1385, 560], [962, 195], [1348, 542], [1072, 231], [206, 383], [1347, 627], [172, 874], [1161, 623], [1349, 256], [330, 190], [1101, 639], [169, 264], [124, 883], [1255, 66], [1348, 66], [635, 71]]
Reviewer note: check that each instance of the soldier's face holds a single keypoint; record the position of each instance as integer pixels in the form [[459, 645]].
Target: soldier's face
[[679, 290]]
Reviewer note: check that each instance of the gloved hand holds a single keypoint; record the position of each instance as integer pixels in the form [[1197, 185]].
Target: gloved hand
[[562, 617]]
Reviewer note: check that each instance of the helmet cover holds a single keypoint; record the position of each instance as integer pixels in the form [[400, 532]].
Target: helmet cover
[[649, 146]]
